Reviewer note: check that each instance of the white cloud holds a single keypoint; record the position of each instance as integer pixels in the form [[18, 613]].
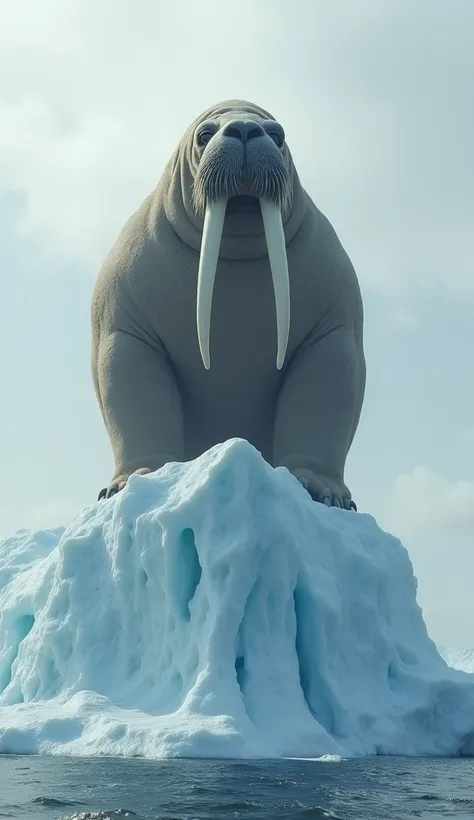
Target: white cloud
[[37, 516], [466, 439], [405, 319], [78, 182], [434, 517], [429, 505], [95, 97]]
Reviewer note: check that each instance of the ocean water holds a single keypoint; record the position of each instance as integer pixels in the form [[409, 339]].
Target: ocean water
[[41, 788]]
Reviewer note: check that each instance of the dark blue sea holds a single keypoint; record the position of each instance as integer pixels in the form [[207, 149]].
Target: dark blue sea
[[91, 789]]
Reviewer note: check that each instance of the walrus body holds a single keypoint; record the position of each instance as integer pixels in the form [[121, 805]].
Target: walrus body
[[159, 402]]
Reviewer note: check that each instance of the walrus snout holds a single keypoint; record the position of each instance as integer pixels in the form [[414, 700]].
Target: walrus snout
[[242, 157], [243, 131]]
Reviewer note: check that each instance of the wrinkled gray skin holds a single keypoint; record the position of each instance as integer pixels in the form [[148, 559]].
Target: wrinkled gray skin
[[159, 403]]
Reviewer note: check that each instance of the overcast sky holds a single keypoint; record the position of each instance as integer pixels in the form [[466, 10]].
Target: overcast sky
[[376, 100]]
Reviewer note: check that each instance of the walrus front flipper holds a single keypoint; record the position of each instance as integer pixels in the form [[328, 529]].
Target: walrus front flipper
[[318, 412], [141, 405]]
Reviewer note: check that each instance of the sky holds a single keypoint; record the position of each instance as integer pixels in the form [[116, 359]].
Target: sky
[[375, 97]]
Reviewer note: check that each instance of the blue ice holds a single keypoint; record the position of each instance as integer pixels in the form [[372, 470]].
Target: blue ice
[[212, 609]]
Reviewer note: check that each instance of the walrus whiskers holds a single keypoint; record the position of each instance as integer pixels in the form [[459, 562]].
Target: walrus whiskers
[[216, 180]]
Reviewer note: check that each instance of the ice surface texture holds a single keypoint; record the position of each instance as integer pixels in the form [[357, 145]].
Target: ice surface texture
[[213, 609]]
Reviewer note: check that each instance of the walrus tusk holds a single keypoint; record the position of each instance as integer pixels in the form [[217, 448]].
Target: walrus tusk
[[275, 237], [210, 246], [211, 242]]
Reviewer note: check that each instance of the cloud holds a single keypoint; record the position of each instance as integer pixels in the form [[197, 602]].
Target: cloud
[[76, 186], [405, 319], [434, 517], [37, 516], [466, 438], [375, 97], [429, 505]]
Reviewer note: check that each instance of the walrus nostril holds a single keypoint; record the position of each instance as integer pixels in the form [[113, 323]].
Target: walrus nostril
[[243, 131]]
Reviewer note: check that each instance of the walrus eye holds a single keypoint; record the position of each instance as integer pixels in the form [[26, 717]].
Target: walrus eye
[[277, 137], [205, 136]]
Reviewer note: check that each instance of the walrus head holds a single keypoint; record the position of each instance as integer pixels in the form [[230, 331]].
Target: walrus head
[[238, 182]]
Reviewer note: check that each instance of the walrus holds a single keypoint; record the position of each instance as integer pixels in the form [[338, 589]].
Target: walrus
[[228, 308]]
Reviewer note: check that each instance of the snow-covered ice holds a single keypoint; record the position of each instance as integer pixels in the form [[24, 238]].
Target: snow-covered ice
[[213, 609]]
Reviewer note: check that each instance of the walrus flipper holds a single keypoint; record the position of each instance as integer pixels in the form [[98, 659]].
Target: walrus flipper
[[141, 404], [318, 412]]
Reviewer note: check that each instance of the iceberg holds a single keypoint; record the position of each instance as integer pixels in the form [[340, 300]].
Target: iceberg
[[212, 609]]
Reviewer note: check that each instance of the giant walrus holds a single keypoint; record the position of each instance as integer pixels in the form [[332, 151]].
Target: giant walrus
[[170, 382]]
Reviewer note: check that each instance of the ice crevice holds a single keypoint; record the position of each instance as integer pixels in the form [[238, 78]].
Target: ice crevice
[[212, 609]]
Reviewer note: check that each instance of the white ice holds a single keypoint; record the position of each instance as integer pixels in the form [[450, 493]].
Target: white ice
[[213, 609]]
